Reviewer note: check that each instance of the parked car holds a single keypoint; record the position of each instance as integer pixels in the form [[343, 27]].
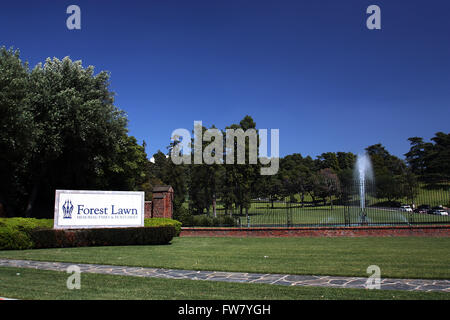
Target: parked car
[[406, 208], [423, 208], [439, 211]]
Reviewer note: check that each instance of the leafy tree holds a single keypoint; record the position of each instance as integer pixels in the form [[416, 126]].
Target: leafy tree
[[127, 169], [389, 187], [17, 131], [315, 189], [409, 186], [429, 160], [242, 178], [346, 160], [347, 185], [60, 129], [329, 184], [271, 187], [437, 164], [227, 189], [383, 162], [80, 130], [159, 166], [296, 176], [417, 155], [328, 160], [389, 173]]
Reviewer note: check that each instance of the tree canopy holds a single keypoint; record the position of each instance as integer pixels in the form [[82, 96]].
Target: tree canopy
[[430, 160], [62, 131]]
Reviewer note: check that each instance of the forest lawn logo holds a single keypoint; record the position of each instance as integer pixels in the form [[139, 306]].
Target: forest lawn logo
[[82, 210], [235, 147], [67, 209]]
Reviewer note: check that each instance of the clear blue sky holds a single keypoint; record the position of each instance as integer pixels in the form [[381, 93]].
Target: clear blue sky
[[309, 68]]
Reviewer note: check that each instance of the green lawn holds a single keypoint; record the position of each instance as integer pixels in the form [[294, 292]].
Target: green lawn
[[41, 284], [402, 257]]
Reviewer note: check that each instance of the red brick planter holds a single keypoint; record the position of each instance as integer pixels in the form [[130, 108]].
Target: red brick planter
[[381, 231]]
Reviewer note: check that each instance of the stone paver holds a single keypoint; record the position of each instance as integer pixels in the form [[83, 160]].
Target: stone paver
[[241, 277]]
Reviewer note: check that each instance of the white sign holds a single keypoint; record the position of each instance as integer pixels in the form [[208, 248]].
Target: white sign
[[75, 209]]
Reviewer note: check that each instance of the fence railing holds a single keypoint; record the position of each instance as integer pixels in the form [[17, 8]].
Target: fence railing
[[292, 215], [427, 208]]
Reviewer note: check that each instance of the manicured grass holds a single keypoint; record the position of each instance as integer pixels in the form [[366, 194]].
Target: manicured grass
[[398, 257], [41, 284]]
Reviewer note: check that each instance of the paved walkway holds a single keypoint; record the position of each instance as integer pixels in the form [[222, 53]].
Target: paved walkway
[[276, 279]]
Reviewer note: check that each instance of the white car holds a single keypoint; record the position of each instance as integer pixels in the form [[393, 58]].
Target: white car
[[406, 208], [440, 212]]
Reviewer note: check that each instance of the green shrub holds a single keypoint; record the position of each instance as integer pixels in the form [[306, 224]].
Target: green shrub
[[205, 221], [228, 221], [187, 219], [28, 233], [26, 224], [215, 222], [15, 232], [50, 238], [179, 212], [157, 222], [13, 239]]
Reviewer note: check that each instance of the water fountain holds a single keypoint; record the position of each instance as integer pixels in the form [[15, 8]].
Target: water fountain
[[363, 176]]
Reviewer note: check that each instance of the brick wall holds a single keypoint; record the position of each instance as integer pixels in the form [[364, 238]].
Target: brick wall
[[382, 231], [147, 209], [161, 205], [158, 208]]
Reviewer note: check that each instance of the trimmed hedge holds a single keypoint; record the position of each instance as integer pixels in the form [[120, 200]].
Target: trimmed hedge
[[14, 239], [159, 222], [28, 233], [15, 232], [205, 221], [51, 238], [26, 224]]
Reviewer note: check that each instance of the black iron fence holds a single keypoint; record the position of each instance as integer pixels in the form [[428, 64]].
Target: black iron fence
[[430, 206]]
